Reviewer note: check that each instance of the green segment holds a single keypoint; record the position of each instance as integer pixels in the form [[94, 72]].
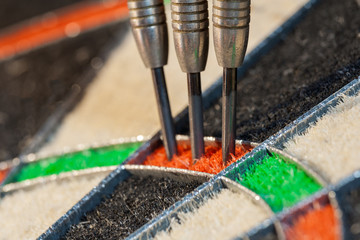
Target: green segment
[[100, 157], [281, 184]]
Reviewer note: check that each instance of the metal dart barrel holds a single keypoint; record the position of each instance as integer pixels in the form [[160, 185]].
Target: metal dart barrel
[[191, 36], [231, 20], [148, 22], [190, 25]]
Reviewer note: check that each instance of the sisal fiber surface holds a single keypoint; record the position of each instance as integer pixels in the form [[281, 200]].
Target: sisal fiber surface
[[332, 143], [211, 162], [319, 223], [133, 203], [26, 214], [107, 156], [318, 58], [281, 184], [224, 216]]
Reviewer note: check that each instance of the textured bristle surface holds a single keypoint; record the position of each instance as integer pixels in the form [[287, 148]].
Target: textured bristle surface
[[319, 223], [332, 144], [107, 156], [281, 184], [315, 60], [351, 212], [3, 174], [133, 203], [26, 214], [210, 162], [224, 216]]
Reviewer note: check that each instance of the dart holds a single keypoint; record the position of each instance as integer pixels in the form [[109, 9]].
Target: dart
[[231, 29], [191, 36], [148, 22]]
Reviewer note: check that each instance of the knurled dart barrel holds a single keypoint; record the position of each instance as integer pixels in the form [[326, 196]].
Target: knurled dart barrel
[[148, 22], [191, 33], [231, 20]]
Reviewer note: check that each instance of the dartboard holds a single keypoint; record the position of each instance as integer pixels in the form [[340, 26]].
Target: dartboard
[[81, 151]]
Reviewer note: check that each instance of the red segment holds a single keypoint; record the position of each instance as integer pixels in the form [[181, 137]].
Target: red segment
[[320, 223], [45, 30], [210, 162], [3, 174]]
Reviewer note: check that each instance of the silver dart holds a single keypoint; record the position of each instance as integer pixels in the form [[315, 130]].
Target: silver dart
[[148, 23], [231, 20], [191, 36]]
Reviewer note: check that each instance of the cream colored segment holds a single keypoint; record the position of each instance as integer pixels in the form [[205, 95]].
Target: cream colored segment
[[26, 214], [225, 216], [120, 102], [332, 144]]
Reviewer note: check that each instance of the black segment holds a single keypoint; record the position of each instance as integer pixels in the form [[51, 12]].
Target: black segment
[[314, 61], [133, 203]]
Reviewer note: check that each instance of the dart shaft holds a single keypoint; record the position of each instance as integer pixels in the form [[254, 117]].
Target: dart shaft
[[228, 113], [195, 115], [166, 120]]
